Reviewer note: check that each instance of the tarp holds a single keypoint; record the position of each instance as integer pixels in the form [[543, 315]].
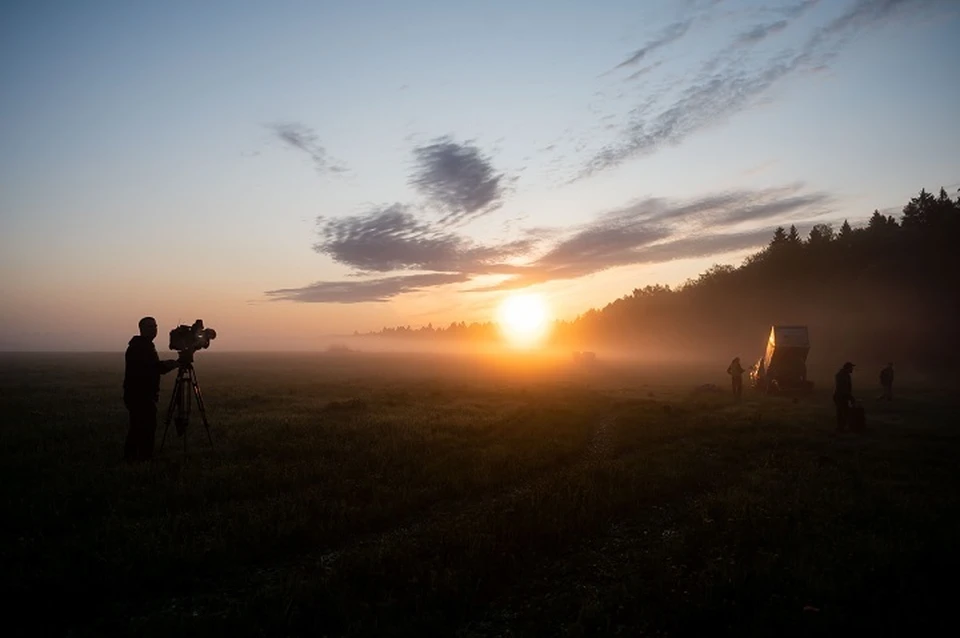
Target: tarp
[[795, 338]]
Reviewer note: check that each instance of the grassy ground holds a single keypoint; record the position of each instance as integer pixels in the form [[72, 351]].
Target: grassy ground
[[396, 495]]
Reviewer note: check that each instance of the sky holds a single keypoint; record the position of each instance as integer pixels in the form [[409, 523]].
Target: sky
[[290, 170]]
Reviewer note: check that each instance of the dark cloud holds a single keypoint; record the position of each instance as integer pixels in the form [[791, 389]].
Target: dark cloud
[[670, 34], [727, 84], [305, 139], [363, 291], [392, 238], [456, 178]]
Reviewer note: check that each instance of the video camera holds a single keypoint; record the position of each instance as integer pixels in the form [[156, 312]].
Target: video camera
[[191, 338]]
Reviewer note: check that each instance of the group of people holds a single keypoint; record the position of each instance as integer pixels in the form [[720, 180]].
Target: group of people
[[843, 397]]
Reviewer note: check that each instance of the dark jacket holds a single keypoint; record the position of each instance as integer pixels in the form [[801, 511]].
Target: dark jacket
[[141, 379], [886, 376], [843, 390], [735, 369]]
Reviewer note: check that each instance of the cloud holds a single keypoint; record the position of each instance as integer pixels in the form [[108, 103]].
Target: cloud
[[670, 34], [644, 70], [761, 31], [797, 10], [684, 248], [656, 230], [728, 83], [377, 290], [392, 238], [456, 178], [305, 139]]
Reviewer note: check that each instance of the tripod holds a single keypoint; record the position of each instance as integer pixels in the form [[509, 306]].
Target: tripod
[[179, 410]]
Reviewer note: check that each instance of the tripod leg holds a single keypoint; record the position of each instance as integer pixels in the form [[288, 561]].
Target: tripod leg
[[185, 406], [203, 411], [174, 402]]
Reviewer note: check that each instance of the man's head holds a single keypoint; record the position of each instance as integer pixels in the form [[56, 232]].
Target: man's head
[[848, 367], [148, 328]]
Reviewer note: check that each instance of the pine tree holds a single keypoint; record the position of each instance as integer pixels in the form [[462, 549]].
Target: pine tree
[[779, 237], [845, 231], [820, 234], [794, 237], [877, 221]]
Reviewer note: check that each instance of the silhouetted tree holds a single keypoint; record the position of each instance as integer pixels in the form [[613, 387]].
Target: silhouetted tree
[[845, 230], [793, 237], [820, 235], [779, 238]]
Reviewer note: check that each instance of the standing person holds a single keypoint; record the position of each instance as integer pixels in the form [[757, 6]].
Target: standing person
[[141, 390], [886, 382], [843, 394], [735, 370]]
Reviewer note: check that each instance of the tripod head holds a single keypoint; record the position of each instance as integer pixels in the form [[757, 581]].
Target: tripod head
[[185, 358]]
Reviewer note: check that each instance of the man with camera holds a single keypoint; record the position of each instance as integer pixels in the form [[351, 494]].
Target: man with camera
[[141, 390]]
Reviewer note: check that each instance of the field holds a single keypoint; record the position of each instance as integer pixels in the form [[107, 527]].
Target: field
[[405, 495]]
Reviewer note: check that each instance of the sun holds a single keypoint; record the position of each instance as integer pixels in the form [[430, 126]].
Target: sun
[[524, 319]]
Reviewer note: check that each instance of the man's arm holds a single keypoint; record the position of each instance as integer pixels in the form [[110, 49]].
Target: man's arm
[[168, 365]]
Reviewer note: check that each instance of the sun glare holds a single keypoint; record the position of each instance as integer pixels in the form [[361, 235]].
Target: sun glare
[[524, 319]]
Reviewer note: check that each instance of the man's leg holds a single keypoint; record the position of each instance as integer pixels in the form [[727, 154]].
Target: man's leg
[[130, 445], [149, 431], [134, 446], [841, 414]]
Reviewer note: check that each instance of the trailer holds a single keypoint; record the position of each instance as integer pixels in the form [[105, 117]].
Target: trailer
[[783, 366]]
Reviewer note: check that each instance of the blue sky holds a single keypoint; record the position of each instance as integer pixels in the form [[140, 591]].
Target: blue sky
[[173, 158]]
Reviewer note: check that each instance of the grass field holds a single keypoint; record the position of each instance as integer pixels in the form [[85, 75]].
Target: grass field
[[401, 495]]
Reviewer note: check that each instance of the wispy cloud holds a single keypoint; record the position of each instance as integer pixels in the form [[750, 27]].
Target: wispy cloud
[[796, 10], [378, 290], [644, 70], [728, 82], [392, 239], [305, 139], [684, 248], [456, 178], [657, 230], [761, 31], [670, 34]]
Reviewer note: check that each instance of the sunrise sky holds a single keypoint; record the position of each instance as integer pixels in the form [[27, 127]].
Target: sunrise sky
[[291, 170]]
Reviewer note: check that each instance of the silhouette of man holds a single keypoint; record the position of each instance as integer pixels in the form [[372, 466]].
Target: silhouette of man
[[141, 390], [735, 370], [843, 394], [886, 382]]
